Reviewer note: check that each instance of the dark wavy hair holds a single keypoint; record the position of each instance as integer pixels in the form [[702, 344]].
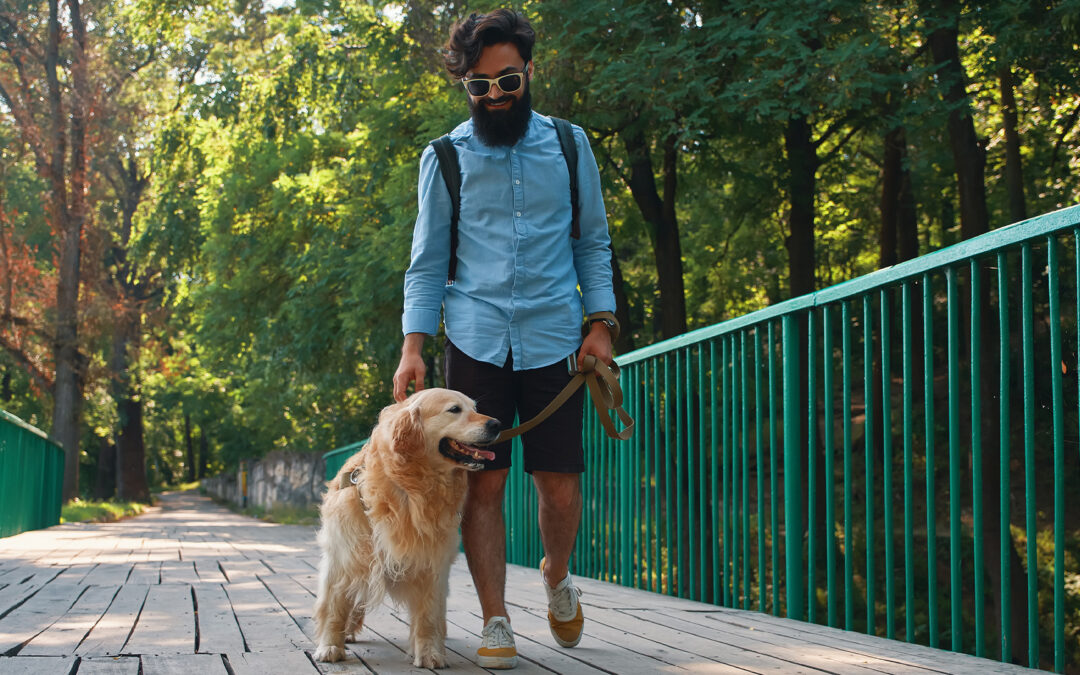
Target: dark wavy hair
[[469, 36]]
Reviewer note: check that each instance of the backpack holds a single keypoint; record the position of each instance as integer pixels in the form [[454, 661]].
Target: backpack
[[451, 173]]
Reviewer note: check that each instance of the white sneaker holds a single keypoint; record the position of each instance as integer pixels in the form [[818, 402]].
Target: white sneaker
[[564, 611], [498, 650]]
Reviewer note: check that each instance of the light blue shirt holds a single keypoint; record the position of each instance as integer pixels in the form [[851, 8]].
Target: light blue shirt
[[523, 284]]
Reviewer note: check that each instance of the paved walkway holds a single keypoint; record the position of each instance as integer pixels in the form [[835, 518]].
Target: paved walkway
[[192, 588]]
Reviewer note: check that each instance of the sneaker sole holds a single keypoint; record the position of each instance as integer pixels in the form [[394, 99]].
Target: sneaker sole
[[497, 662]]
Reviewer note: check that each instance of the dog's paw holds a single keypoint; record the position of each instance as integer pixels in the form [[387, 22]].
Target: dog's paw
[[329, 653], [351, 638], [430, 658]]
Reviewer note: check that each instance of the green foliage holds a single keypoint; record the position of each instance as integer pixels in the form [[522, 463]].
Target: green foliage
[[77, 511]]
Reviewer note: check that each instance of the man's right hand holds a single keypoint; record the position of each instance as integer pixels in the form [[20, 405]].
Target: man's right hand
[[411, 368]]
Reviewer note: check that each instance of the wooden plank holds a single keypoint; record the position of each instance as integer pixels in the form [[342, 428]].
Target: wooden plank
[[265, 624], [109, 665], [352, 665], [145, 573], [107, 573], [166, 624], [297, 600], [835, 638], [239, 571], [184, 664], [61, 638], [208, 571], [261, 663], [37, 613], [16, 593], [108, 636], [179, 572], [218, 631], [728, 652], [36, 665], [395, 629]]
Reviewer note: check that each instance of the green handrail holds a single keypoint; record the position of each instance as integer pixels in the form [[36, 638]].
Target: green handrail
[[741, 425], [31, 477]]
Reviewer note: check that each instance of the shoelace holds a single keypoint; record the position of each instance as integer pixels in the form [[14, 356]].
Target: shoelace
[[499, 633], [562, 600]]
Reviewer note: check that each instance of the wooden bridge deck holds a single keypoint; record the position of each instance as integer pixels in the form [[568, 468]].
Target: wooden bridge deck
[[190, 587]]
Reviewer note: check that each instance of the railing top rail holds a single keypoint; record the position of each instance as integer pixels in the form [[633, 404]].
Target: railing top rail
[[8, 417], [351, 448], [991, 242]]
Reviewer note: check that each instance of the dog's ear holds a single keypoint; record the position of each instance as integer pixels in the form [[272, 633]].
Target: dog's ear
[[407, 431]]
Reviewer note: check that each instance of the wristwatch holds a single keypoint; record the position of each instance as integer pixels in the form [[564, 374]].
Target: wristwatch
[[609, 322]]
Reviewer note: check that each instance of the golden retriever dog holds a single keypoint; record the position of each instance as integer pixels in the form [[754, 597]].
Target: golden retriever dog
[[390, 521]]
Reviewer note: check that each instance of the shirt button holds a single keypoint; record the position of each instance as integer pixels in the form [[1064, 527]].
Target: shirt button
[[518, 214], [517, 182]]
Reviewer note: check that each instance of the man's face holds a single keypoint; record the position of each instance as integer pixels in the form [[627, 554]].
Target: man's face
[[500, 118], [494, 61]]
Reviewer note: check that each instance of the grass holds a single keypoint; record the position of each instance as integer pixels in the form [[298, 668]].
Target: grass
[[178, 487], [78, 511], [284, 514]]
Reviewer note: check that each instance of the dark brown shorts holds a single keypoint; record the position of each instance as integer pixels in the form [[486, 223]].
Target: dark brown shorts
[[554, 445]]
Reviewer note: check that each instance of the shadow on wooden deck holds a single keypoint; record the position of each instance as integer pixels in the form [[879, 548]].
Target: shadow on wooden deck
[[192, 588]]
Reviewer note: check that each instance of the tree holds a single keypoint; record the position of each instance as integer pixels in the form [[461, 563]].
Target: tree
[[53, 118]]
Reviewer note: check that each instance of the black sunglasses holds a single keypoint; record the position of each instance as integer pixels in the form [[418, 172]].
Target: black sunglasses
[[508, 84]]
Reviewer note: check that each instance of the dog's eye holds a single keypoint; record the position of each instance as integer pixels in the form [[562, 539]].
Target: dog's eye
[[454, 409]]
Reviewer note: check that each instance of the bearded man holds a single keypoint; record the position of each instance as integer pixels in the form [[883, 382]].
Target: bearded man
[[513, 309]]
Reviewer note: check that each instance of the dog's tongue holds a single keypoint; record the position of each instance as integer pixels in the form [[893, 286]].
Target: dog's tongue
[[486, 454]]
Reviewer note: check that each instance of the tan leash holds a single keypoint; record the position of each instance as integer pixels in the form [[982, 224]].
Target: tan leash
[[606, 396]]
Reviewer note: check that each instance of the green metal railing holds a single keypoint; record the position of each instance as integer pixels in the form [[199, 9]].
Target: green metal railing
[[335, 459], [792, 460], [31, 477]]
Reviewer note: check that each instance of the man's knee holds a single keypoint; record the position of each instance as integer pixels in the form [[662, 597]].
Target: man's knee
[[558, 491], [487, 487]]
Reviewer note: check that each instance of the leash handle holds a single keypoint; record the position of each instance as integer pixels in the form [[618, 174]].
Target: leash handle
[[606, 395]]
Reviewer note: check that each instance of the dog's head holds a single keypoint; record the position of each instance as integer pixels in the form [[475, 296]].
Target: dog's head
[[442, 422]]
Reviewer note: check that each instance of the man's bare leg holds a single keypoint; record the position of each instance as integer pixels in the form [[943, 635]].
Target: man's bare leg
[[483, 535], [560, 514]]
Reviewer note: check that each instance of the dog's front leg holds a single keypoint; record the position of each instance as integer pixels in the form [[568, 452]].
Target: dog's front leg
[[332, 609], [355, 624], [427, 621]]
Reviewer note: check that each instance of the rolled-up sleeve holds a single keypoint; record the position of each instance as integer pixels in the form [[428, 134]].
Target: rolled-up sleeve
[[425, 280], [592, 252]]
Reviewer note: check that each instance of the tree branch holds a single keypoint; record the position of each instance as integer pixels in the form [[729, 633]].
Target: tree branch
[[36, 374]]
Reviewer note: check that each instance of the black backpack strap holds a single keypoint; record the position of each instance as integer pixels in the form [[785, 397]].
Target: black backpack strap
[[451, 173], [569, 151]]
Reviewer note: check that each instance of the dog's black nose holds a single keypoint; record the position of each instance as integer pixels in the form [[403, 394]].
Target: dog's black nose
[[493, 426]]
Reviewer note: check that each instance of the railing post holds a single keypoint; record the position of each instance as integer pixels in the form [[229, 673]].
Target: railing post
[[792, 470]]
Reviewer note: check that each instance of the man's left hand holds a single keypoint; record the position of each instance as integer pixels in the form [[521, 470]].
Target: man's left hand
[[596, 343]]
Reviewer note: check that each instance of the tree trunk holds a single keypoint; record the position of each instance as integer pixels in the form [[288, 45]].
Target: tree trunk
[[659, 214], [131, 482], [67, 178], [1014, 173], [802, 164], [204, 453], [625, 343], [969, 156], [105, 485], [190, 445], [892, 167], [908, 219]]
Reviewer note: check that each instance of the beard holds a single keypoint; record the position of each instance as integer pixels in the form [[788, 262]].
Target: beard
[[502, 127]]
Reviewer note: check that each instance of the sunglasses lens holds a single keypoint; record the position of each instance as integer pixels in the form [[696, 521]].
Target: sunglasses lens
[[510, 83], [477, 87]]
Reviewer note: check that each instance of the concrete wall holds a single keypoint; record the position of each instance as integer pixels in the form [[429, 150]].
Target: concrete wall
[[296, 479]]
